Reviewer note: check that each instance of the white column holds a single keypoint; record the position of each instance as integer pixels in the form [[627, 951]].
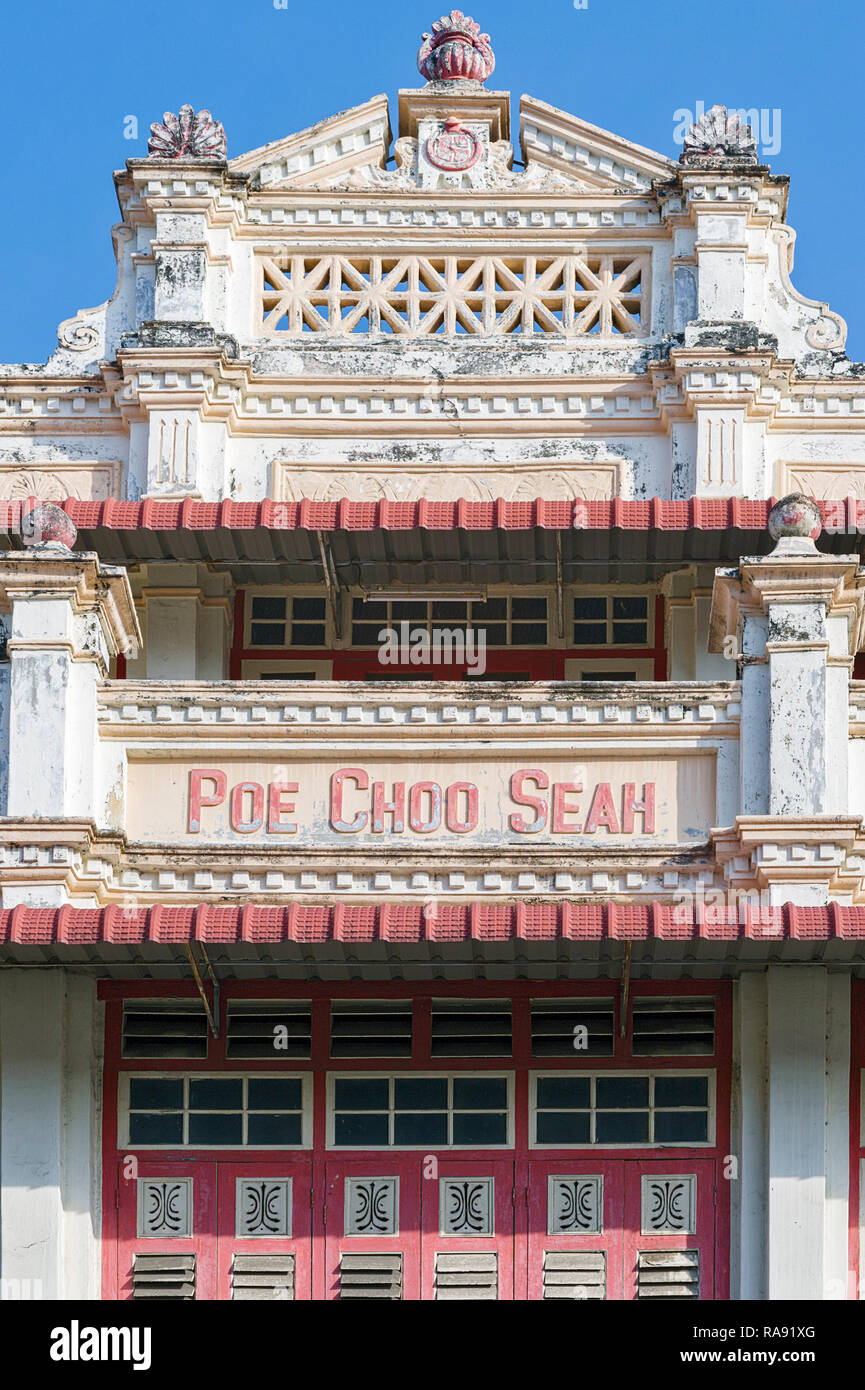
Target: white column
[[751, 1139], [808, 1132], [50, 1145], [68, 616]]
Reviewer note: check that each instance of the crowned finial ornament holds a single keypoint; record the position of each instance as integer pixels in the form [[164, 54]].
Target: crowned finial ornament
[[455, 51], [719, 135], [187, 135]]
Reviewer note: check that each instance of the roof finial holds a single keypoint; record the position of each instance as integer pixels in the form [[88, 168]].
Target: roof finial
[[719, 136], [456, 50], [187, 135]]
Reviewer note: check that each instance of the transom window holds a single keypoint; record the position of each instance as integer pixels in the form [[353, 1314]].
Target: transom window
[[507, 621], [287, 620], [420, 1111], [611, 620], [607, 1108], [214, 1111]]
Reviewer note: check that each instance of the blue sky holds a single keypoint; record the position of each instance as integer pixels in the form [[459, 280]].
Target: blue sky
[[73, 74]]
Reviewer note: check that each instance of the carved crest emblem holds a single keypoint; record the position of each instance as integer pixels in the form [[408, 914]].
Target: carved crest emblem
[[455, 148]]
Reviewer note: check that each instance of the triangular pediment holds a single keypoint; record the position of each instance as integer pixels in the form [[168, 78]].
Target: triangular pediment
[[580, 151], [329, 151]]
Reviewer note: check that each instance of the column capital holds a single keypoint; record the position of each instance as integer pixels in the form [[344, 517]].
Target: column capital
[[794, 573], [81, 580]]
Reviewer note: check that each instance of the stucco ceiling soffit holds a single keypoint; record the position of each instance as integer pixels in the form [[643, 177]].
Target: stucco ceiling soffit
[[560, 141], [350, 140]]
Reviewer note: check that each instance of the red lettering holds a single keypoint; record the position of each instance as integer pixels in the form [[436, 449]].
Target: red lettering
[[382, 808], [197, 799], [415, 807], [645, 808], [602, 811], [361, 781], [277, 808], [561, 809], [256, 820], [522, 798], [452, 795]]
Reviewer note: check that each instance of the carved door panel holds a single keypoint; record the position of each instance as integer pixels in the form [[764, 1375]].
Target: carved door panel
[[372, 1228], [669, 1245], [264, 1228], [166, 1230], [468, 1230], [575, 1229]]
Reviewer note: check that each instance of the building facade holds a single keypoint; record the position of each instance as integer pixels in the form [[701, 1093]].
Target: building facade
[[432, 832]]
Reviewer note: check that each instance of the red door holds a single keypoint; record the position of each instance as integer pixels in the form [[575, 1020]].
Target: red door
[[372, 1227], [575, 1229], [669, 1229], [166, 1230], [468, 1229], [264, 1226]]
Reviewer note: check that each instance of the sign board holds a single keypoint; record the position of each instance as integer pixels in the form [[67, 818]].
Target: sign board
[[483, 800]]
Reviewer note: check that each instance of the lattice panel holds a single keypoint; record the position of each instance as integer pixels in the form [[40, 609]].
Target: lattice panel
[[603, 294]]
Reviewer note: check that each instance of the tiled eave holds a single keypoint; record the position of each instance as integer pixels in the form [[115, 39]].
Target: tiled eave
[[383, 542], [415, 923]]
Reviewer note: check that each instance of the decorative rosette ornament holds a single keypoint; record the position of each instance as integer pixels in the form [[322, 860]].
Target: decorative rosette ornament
[[455, 51], [187, 135]]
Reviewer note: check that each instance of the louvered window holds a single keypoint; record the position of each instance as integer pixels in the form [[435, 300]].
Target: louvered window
[[572, 1027], [371, 1029], [673, 1027], [164, 1028], [168, 1278], [268, 1029], [471, 1028]]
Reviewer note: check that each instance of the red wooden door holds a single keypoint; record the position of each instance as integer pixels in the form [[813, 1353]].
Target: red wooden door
[[575, 1229], [166, 1230], [467, 1213], [264, 1227], [372, 1227], [669, 1229]]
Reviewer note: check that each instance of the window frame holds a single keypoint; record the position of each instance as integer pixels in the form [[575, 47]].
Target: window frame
[[593, 1073]]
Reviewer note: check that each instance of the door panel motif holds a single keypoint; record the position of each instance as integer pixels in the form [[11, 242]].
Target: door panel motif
[[468, 1231], [264, 1227], [166, 1230], [372, 1228], [575, 1239]]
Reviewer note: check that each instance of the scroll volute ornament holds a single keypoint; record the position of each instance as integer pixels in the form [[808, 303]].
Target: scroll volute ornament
[[455, 51], [187, 135]]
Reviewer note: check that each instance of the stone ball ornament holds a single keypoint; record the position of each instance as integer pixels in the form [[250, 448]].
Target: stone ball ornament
[[455, 51], [795, 517], [187, 135], [47, 524]]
